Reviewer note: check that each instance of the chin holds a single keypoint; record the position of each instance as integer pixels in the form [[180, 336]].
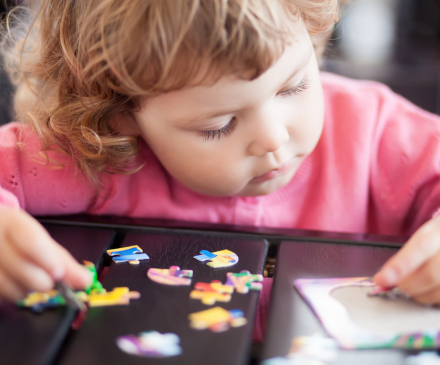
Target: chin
[[263, 189]]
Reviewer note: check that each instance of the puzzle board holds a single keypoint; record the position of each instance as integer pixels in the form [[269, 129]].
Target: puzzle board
[[290, 315], [165, 308], [357, 320]]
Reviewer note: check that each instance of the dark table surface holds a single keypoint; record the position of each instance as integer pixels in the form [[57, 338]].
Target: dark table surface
[[48, 339]]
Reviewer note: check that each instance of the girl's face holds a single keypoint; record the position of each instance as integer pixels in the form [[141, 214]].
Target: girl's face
[[239, 137]]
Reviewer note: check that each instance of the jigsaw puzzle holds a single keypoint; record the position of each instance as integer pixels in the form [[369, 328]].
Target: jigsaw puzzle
[[118, 296], [218, 259], [95, 284], [388, 293], [132, 254], [217, 319], [150, 344], [171, 276], [244, 281], [209, 293], [359, 314], [37, 302]]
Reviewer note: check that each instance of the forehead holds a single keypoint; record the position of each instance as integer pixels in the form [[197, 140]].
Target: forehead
[[207, 96]]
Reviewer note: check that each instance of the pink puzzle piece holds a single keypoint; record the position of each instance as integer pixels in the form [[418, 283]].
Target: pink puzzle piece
[[172, 276]]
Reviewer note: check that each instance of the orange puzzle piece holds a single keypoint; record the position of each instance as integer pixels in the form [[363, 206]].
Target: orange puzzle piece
[[209, 293]]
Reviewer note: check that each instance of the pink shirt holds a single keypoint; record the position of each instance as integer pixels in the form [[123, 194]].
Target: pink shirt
[[375, 169]]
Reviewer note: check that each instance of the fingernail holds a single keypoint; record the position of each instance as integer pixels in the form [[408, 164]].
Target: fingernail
[[391, 276], [58, 273]]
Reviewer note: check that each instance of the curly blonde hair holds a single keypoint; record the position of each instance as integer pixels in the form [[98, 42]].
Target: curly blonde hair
[[78, 63]]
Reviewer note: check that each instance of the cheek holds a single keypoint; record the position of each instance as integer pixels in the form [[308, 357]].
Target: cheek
[[313, 117], [199, 164]]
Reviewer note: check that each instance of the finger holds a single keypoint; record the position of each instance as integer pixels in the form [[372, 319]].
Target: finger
[[418, 249], [24, 273], [33, 241], [76, 275], [424, 279], [9, 290], [428, 298]]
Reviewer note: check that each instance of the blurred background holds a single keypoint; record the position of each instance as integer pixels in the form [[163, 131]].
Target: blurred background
[[396, 42]]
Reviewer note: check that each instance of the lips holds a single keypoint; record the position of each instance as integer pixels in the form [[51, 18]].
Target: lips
[[273, 173]]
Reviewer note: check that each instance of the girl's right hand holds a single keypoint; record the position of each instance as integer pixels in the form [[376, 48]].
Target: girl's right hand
[[31, 260]]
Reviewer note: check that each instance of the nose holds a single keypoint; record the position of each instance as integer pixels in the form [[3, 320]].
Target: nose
[[268, 132]]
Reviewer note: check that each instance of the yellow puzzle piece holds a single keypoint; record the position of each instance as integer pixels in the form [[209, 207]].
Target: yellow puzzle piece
[[218, 259], [224, 258], [37, 298], [217, 319], [118, 296], [209, 298]]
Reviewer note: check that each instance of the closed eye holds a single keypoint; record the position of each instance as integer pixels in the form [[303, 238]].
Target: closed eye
[[298, 89], [226, 130]]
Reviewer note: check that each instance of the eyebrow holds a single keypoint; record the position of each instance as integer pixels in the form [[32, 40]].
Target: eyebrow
[[202, 117]]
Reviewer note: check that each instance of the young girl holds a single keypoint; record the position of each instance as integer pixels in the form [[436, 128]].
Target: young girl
[[212, 111]]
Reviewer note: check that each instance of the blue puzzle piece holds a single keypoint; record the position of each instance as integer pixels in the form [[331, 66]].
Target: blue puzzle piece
[[205, 256], [132, 254], [141, 256]]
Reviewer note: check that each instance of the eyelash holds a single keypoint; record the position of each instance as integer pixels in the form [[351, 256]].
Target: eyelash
[[228, 128], [303, 85]]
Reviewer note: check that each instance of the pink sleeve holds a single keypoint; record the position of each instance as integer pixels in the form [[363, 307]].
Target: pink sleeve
[[39, 184]]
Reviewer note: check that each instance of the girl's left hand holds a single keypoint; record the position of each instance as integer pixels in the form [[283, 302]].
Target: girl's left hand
[[415, 269]]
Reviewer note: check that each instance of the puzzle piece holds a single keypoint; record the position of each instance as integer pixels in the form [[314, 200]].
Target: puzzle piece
[[37, 302], [95, 285], [118, 296], [97, 298], [217, 319], [427, 339], [132, 254], [388, 293], [172, 276], [150, 344], [244, 281], [209, 293], [218, 259]]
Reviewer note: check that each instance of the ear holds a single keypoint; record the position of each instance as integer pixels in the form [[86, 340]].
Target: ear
[[124, 123]]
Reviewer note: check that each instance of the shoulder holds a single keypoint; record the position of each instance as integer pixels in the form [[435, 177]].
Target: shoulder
[[18, 138], [344, 95], [46, 182], [9, 134], [373, 104], [340, 85]]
